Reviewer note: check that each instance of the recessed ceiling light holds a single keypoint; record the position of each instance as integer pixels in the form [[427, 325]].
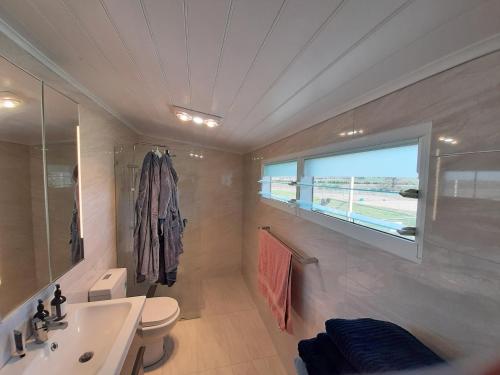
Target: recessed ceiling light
[[211, 123], [197, 120], [8, 100], [183, 116], [448, 140]]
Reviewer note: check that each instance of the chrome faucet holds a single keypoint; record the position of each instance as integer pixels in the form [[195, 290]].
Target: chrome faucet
[[42, 327], [52, 323], [42, 323], [40, 330]]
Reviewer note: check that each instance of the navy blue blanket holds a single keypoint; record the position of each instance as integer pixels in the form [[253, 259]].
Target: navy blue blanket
[[376, 346], [316, 362], [327, 349]]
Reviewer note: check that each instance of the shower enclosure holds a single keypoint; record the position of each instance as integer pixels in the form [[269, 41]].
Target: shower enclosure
[[128, 163]]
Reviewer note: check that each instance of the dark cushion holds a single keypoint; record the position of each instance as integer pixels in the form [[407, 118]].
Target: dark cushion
[[371, 345], [322, 357]]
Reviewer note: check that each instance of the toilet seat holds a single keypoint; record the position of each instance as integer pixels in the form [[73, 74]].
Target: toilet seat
[[158, 311]]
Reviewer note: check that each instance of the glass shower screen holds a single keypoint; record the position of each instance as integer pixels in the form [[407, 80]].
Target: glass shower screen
[[128, 164]]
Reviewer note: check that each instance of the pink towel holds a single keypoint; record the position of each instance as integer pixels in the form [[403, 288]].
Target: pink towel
[[275, 276]]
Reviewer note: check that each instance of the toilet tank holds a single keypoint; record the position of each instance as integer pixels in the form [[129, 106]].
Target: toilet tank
[[111, 285]]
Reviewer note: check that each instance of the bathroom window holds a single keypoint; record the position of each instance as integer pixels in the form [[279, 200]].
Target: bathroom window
[[279, 181], [364, 188], [60, 176], [371, 188]]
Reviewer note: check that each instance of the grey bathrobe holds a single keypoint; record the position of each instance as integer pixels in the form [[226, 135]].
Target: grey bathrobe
[[146, 239], [171, 223]]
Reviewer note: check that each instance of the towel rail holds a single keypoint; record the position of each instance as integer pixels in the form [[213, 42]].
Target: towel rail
[[298, 255]]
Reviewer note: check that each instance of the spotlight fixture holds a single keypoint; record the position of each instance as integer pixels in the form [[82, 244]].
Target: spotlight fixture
[[197, 120], [187, 115], [183, 116], [448, 140], [351, 132], [211, 123], [196, 155], [9, 100]]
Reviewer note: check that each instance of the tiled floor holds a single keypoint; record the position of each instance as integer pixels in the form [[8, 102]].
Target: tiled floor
[[229, 338]]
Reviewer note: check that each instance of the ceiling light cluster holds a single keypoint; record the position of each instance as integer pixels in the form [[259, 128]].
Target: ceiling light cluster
[[448, 140], [9, 100], [254, 158], [351, 132], [195, 117], [196, 155]]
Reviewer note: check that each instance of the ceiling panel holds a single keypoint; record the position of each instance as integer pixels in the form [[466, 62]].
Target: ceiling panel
[[384, 42], [254, 18], [354, 21], [296, 26], [59, 35], [91, 18], [411, 58], [271, 67], [166, 19], [206, 23], [129, 24]]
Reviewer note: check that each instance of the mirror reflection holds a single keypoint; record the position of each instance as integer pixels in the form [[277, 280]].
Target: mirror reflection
[[24, 267], [61, 155], [40, 236]]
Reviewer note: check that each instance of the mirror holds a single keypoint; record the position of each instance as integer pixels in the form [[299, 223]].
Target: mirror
[[61, 157], [39, 216], [24, 265]]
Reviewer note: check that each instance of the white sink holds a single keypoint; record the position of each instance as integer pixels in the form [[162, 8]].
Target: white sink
[[105, 328]]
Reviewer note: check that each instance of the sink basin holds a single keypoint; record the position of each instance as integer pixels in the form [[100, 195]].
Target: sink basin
[[96, 341]]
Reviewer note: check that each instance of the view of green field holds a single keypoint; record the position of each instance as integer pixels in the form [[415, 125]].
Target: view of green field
[[373, 198]]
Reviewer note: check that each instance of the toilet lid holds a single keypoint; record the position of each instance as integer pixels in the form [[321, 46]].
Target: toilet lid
[[158, 310]]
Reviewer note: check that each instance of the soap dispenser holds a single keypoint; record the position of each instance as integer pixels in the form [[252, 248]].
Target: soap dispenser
[[39, 325], [41, 313], [57, 305]]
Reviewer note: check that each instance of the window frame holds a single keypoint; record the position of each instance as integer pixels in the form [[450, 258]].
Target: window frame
[[407, 249]]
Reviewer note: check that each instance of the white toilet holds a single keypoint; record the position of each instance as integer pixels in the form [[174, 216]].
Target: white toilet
[[158, 316]]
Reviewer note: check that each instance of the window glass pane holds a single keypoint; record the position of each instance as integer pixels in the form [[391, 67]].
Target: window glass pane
[[283, 188], [278, 181], [281, 169], [400, 161], [363, 187]]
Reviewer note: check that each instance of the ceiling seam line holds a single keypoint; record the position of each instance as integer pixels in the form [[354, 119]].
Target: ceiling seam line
[[368, 93], [318, 31], [221, 54], [43, 59], [370, 67], [36, 8], [188, 56], [155, 47], [124, 44], [264, 42], [350, 107], [94, 43], [345, 53]]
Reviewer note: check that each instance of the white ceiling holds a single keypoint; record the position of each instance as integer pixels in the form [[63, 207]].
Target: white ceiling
[[269, 67]]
